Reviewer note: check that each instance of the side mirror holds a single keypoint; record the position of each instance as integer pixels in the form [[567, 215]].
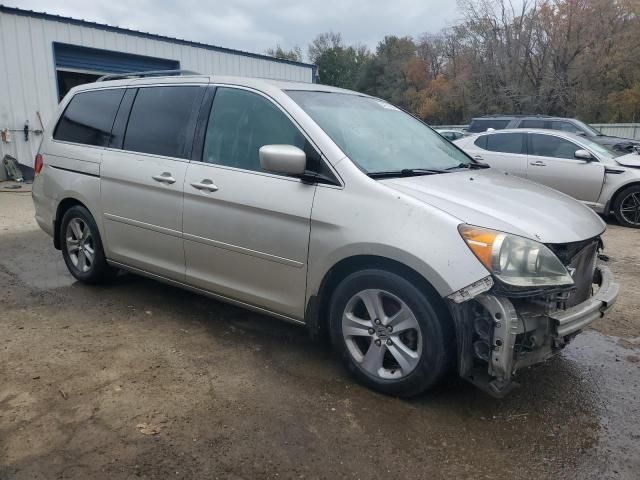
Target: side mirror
[[584, 155], [285, 159]]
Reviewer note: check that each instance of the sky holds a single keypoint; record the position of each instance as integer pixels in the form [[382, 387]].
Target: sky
[[256, 25]]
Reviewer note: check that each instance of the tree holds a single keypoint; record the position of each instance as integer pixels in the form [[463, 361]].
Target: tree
[[295, 54], [560, 57], [386, 73], [338, 65], [322, 43]]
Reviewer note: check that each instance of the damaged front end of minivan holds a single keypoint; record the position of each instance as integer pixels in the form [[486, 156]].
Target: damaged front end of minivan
[[537, 298]]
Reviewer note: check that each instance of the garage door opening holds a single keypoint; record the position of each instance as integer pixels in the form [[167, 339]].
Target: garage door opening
[[68, 79], [77, 65]]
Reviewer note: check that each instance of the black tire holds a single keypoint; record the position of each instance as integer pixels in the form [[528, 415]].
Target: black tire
[[437, 354], [98, 271], [623, 201]]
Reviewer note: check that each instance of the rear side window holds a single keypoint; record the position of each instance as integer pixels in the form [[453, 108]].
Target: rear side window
[[481, 142], [483, 125], [565, 127], [534, 124], [240, 123], [505, 142], [162, 121], [89, 117], [550, 146]]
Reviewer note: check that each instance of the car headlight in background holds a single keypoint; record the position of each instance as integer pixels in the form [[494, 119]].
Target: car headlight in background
[[515, 260]]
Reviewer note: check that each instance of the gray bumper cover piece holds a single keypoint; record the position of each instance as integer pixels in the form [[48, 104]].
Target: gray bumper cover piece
[[576, 318]]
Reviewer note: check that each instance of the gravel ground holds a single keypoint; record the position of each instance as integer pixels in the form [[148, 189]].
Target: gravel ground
[[141, 380]]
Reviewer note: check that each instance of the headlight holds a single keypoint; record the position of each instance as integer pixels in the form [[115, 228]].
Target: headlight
[[515, 260]]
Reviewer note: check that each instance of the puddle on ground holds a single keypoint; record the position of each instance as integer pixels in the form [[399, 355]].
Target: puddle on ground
[[611, 365]]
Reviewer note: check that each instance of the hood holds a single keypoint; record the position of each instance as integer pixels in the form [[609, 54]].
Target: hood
[[493, 199], [629, 160], [610, 141]]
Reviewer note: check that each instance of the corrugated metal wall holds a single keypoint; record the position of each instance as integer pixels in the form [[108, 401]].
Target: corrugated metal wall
[[28, 78], [626, 130]]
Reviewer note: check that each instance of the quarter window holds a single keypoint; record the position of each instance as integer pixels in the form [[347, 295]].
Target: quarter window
[[162, 121], [483, 125], [550, 146], [565, 127], [481, 142], [533, 124], [89, 117], [505, 142], [240, 123]]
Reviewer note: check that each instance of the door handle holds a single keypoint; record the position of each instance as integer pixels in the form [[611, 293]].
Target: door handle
[[164, 178], [206, 184], [538, 164]]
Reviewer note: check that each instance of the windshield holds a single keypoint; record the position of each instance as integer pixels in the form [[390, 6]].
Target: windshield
[[601, 150], [377, 136], [592, 131]]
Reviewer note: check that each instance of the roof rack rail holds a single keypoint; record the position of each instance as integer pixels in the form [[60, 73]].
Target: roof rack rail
[[151, 73], [516, 115]]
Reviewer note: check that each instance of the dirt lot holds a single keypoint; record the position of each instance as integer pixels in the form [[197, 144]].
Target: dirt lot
[[142, 380]]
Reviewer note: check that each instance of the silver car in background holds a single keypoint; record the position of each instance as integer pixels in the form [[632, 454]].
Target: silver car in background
[[608, 181], [329, 209]]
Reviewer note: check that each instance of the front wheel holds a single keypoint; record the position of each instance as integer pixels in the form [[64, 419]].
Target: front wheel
[[393, 337], [82, 247], [627, 207]]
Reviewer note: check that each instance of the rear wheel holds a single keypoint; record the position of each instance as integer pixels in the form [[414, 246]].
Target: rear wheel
[[627, 207], [392, 336], [82, 247]]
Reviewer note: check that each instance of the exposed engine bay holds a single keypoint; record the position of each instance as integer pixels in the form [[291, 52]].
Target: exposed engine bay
[[501, 331]]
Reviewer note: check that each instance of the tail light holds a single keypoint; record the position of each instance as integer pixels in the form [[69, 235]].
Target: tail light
[[38, 164]]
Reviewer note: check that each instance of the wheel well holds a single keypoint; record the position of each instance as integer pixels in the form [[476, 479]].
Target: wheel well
[[64, 205], [317, 317], [614, 197]]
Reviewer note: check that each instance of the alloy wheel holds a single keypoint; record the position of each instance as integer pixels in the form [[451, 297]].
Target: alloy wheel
[[630, 208], [382, 334], [80, 245]]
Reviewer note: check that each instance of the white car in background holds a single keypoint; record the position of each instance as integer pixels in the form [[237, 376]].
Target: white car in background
[[603, 179]]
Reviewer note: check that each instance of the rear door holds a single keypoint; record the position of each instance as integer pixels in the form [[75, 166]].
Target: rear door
[[142, 176], [246, 231], [552, 162], [504, 151]]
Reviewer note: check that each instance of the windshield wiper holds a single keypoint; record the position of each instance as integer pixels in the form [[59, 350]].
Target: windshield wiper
[[406, 172], [471, 166]]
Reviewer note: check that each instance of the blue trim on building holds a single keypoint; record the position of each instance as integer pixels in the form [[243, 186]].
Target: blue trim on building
[[151, 36], [107, 61]]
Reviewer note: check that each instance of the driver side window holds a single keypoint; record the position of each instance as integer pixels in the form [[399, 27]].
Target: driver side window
[[550, 146], [240, 123]]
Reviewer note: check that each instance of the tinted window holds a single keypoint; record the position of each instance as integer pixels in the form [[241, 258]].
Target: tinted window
[[533, 124], [505, 142], [549, 146], [565, 127], [482, 125], [240, 123], [162, 121], [481, 141], [89, 117]]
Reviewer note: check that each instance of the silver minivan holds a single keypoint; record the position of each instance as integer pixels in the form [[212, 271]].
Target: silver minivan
[[327, 208]]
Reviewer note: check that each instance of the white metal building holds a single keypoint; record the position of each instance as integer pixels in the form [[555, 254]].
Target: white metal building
[[42, 56]]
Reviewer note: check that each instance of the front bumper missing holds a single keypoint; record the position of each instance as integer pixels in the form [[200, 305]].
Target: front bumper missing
[[497, 335]]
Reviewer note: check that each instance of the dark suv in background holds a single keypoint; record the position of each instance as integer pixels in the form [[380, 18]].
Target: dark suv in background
[[571, 125]]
